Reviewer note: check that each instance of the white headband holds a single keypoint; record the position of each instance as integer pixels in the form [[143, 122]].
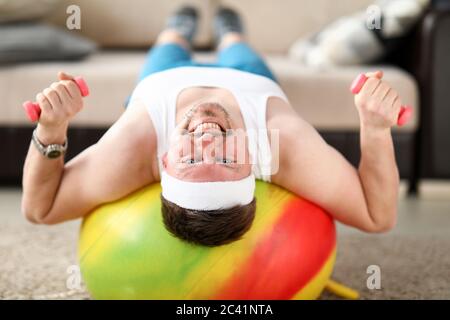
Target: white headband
[[207, 195]]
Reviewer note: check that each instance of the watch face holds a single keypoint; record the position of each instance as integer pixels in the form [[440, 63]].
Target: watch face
[[54, 154]]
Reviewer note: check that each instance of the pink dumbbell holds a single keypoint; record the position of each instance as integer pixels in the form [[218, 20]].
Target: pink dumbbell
[[33, 109], [405, 113]]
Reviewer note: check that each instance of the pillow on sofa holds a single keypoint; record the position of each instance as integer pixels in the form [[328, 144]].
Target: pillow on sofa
[[22, 10], [22, 42], [349, 40]]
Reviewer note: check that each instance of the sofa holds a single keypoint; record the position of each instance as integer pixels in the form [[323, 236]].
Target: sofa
[[125, 29]]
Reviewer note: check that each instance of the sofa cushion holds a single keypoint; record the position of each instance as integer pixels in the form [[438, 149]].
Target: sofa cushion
[[321, 97], [272, 26], [118, 23], [24, 10], [111, 77], [22, 42]]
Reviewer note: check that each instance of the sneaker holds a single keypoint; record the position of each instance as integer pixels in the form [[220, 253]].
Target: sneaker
[[184, 21], [226, 20]]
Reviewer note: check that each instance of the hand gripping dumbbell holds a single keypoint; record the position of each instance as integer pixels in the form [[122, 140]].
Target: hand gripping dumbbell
[[33, 109], [405, 113]]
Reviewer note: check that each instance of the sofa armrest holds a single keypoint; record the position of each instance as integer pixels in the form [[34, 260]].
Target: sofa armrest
[[431, 68]]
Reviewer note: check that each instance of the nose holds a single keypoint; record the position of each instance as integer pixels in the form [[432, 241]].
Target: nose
[[206, 139], [207, 144]]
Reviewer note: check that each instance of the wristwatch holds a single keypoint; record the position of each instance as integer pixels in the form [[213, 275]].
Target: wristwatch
[[51, 151]]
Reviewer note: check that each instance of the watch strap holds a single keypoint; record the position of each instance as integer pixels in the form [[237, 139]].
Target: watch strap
[[51, 149]]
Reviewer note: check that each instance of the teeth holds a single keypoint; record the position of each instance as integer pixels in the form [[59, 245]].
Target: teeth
[[206, 125]]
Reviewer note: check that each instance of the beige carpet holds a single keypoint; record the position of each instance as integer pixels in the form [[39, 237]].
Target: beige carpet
[[412, 267], [34, 262]]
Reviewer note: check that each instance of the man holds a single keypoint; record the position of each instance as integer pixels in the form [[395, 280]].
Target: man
[[197, 129]]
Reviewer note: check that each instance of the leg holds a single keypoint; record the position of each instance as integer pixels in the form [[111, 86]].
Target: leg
[[173, 44], [172, 48], [234, 52], [170, 51]]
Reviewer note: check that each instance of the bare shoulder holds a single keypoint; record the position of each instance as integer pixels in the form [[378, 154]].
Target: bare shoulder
[[133, 135], [124, 158], [134, 125], [296, 138], [282, 117]]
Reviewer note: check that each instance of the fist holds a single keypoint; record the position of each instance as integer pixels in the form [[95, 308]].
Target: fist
[[377, 103], [60, 102]]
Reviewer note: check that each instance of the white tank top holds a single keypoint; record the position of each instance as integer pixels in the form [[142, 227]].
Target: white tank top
[[159, 93]]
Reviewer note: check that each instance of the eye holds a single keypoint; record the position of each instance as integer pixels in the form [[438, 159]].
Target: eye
[[226, 161], [191, 161], [229, 132]]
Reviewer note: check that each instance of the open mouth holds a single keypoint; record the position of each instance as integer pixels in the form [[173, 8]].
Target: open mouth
[[207, 127]]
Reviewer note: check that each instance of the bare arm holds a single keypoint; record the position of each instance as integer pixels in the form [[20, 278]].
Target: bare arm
[[365, 198], [41, 177], [379, 177], [319, 173], [118, 164]]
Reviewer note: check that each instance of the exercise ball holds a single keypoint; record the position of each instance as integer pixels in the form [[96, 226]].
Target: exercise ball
[[125, 252]]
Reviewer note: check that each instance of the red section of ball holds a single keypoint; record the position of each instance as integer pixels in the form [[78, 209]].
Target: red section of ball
[[288, 257]]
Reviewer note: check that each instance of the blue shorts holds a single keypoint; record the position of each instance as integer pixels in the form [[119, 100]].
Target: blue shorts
[[237, 56]]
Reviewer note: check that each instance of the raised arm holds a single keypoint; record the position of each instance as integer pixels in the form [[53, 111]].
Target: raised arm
[[363, 197], [119, 163]]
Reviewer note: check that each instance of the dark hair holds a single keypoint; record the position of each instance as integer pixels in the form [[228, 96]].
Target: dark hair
[[208, 227]]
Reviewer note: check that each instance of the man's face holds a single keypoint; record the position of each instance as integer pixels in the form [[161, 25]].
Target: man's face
[[207, 147]]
